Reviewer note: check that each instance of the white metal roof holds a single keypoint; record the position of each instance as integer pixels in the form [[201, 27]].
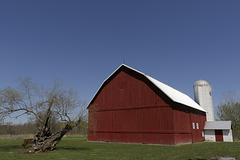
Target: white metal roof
[[172, 93], [221, 125], [175, 95]]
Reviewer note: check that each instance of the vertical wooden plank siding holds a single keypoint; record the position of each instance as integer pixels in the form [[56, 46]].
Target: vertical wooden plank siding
[[128, 109], [182, 127], [183, 119]]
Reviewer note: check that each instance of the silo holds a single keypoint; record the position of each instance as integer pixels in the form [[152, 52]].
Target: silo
[[203, 96]]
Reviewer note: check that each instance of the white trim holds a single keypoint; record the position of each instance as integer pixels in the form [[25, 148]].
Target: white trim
[[197, 126]]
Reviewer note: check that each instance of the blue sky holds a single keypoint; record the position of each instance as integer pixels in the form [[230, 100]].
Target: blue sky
[[83, 41]]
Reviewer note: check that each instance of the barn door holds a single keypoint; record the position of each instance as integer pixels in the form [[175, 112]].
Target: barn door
[[219, 135]]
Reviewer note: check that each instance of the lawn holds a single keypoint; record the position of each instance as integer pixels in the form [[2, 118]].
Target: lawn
[[77, 148]]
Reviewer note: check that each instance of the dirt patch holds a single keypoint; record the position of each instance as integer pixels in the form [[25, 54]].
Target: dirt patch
[[26, 151], [29, 151]]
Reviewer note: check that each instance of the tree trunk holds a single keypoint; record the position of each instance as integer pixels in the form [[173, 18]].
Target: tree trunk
[[47, 143], [44, 140]]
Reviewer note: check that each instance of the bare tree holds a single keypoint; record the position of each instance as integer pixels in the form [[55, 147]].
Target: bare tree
[[230, 110], [43, 102]]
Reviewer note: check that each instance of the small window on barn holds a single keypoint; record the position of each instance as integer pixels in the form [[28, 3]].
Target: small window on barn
[[193, 125], [202, 134], [197, 126]]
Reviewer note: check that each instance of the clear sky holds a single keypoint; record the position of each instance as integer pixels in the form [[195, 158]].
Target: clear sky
[[83, 41]]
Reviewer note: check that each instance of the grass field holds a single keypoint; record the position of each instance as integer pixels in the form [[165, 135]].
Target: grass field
[[77, 148]]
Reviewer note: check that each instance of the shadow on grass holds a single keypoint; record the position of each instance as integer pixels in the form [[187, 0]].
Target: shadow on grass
[[73, 148], [10, 147], [17, 147]]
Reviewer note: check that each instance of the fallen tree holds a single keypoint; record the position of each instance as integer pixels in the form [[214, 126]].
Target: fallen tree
[[43, 103]]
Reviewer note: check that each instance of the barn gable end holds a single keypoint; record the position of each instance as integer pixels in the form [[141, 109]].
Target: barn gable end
[[128, 107]]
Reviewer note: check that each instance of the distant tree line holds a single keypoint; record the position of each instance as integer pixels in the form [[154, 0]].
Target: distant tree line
[[10, 128], [31, 128]]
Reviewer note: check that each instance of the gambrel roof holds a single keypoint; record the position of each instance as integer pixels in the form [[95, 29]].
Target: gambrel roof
[[173, 94]]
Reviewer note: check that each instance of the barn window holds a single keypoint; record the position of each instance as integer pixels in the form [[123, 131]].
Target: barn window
[[202, 134], [193, 125], [197, 126]]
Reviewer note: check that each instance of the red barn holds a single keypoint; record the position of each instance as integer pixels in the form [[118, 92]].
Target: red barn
[[133, 107]]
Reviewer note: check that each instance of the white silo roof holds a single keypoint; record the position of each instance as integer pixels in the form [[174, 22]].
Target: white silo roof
[[201, 83]]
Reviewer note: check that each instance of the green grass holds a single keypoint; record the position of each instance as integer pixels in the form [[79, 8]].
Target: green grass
[[76, 148]]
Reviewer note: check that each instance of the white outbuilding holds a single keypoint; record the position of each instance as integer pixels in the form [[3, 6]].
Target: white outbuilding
[[218, 131], [215, 131]]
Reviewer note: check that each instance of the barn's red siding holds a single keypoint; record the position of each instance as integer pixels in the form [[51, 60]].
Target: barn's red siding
[[183, 119], [128, 108]]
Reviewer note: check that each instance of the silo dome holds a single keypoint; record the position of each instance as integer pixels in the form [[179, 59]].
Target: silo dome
[[201, 83], [203, 96]]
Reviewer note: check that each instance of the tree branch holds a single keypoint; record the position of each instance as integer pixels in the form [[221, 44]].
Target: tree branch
[[27, 110]]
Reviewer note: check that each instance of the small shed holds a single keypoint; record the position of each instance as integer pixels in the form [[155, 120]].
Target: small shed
[[218, 131], [133, 107]]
